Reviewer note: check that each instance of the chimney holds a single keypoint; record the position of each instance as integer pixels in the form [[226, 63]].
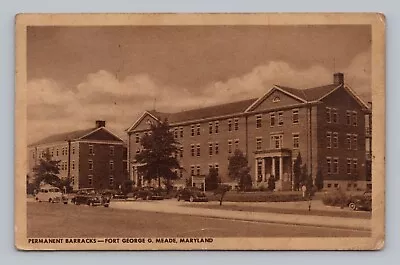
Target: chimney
[[100, 123], [338, 78]]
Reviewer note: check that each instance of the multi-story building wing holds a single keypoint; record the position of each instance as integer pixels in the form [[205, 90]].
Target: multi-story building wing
[[90, 158], [324, 124]]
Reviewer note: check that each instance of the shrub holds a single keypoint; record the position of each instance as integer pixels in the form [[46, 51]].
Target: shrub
[[258, 196], [337, 198]]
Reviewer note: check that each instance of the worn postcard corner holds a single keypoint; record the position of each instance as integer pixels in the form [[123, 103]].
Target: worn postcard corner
[[200, 131]]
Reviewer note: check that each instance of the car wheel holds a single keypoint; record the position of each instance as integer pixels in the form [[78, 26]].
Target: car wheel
[[50, 200], [353, 206], [135, 197], [191, 199]]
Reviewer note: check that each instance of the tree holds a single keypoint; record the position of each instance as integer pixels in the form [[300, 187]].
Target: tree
[[271, 183], [297, 172], [66, 182], [319, 180], [47, 171], [212, 180], [222, 190], [239, 170], [158, 157], [304, 175], [127, 186]]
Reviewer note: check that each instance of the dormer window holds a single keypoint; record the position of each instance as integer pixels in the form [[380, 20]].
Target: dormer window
[[276, 99]]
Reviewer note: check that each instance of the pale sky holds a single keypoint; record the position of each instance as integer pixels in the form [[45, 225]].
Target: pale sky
[[79, 74]]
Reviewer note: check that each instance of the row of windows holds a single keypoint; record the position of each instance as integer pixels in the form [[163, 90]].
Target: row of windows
[[111, 150], [196, 169], [332, 116], [110, 180], [111, 165], [336, 185], [332, 165], [332, 140]]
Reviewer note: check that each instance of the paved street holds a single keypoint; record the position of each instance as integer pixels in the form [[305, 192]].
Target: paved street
[[58, 220]]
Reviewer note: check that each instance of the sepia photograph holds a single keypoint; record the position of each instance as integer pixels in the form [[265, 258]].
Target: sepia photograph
[[200, 131]]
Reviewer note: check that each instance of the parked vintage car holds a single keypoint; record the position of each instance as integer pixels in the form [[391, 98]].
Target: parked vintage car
[[115, 194], [90, 197], [361, 202], [192, 195], [148, 193], [49, 193]]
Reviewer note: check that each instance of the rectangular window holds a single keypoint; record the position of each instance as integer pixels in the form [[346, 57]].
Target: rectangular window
[[354, 118], [237, 144], [280, 118], [90, 180], [348, 141], [216, 148], [73, 164], [181, 132], [296, 143], [229, 125], [137, 138], [198, 129], [111, 150], [73, 150], [355, 142], [198, 170], [192, 149], [355, 166], [210, 127], [216, 166], [138, 151], [258, 121], [210, 149], [176, 133], [328, 140], [348, 117], [328, 114], [192, 130], [258, 143], [91, 150], [90, 164], [73, 180], [146, 134], [236, 124], [259, 170], [192, 170], [216, 127], [335, 140], [210, 166], [52, 153], [276, 141], [272, 119], [229, 146], [335, 117], [181, 173], [181, 151], [111, 165], [295, 116], [329, 185], [111, 180], [57, 152], [198, 150], [329, 165], [348, 168], [335, 165]]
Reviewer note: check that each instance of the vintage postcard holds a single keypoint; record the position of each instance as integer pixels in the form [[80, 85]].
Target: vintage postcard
[[200, 132]]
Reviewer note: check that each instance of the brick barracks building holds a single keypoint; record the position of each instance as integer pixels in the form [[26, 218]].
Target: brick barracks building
[[92, 158], [325, 124]]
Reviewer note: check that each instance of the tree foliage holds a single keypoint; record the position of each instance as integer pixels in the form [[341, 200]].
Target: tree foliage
[[297, 172], [319, 180], [239, 170], [158, 157], [47, 171], [212, 180], [127, 186]]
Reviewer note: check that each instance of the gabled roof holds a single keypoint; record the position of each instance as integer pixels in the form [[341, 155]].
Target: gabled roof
[[197, 114], [74, 135], [311, 94]]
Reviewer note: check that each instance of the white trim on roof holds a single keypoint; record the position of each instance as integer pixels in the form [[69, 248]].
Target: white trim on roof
[[136, 123], [347, 87], [98, 129], [266, 95], [330, 92]]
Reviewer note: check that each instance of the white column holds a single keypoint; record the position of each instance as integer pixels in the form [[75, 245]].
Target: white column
[[135, 175], [273, 166], [263, 169], [280, 167], [255, 171]]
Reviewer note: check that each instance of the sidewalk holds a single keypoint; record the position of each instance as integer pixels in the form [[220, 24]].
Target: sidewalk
[[169, 206]]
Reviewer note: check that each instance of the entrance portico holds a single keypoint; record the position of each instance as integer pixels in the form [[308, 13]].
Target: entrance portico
[[276, 163]]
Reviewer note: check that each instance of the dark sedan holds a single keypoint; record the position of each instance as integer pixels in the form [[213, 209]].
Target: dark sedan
[[363, 202], [90, 197], [192, 195], [148, 193]]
